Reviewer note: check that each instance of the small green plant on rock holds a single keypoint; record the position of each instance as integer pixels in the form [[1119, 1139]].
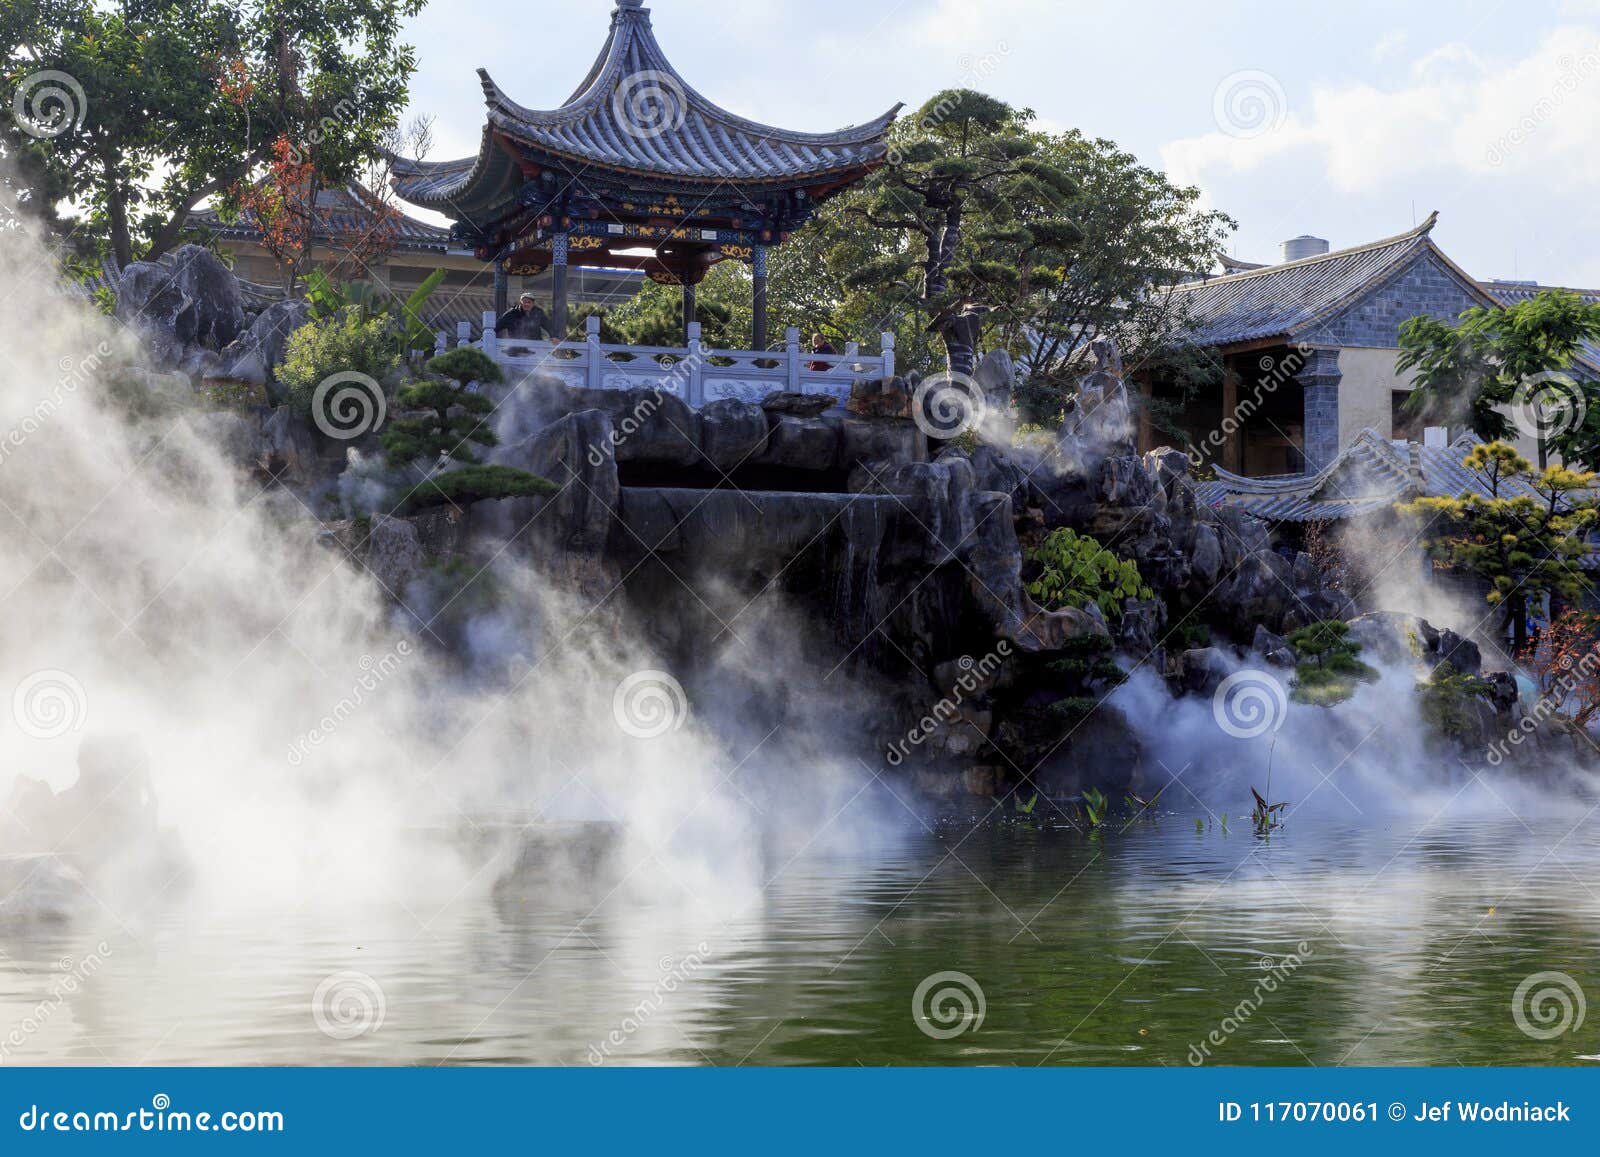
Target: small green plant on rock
[[1448, 699], [1087, 673], [448, 421], [1327, 671], [1077, 570]]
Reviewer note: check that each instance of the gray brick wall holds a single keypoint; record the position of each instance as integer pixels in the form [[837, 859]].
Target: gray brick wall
[[1426, 287], [1320, 379]]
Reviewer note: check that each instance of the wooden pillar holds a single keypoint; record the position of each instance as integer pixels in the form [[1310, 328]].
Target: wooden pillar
[[688, 307], [1147, 433], [558, 303], [758, 302], [500, 288], [1232, 441]]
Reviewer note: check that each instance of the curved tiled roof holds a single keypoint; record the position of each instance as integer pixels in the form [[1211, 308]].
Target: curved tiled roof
[[1370, 474], [341, 213], [634, 113], [1277, 300]]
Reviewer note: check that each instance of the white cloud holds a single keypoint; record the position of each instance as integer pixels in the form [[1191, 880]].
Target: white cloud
[[1457, 113]]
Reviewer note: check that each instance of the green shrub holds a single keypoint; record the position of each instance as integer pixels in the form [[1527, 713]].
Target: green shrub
[[1447, 700], [1328, 671], [339, 344], [472, 483], [1078, 571]]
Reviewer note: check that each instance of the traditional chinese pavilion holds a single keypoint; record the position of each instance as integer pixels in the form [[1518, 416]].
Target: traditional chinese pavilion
[[636, 170]]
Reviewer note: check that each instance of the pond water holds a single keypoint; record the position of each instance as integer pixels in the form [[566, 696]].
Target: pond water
[[1396, 941]]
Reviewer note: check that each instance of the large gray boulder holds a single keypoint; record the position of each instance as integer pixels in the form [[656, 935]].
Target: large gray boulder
[[189, 294], [732, 432], [996, 376], [576, 453], [800, 443], [1393, 637], [260, 350]]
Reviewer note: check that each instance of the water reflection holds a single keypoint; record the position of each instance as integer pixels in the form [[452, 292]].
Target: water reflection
[[1408, 940]]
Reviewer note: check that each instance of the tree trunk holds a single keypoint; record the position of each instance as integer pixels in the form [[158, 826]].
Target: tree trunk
[[1519, 625], [117, 217]]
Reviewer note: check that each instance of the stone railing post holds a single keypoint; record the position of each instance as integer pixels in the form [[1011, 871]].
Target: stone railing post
[[888, 356], [463, 333], [439, 342], [791, 356], [591, 352], [694, 363], [491, 344]]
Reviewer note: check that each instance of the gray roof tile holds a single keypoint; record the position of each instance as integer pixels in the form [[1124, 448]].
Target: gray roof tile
[[693, 140]]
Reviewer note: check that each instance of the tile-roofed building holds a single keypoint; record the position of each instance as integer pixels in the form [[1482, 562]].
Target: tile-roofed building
[[348, 217], [1369, 475], [1308, 349], [636, 169]]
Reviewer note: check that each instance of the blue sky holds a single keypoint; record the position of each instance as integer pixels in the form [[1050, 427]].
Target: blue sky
[[1349, 121]]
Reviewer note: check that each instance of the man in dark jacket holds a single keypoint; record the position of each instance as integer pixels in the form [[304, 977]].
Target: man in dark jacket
[[526, 320]]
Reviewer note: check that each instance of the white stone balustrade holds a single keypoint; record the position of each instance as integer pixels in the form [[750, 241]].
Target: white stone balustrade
[[693, 372]]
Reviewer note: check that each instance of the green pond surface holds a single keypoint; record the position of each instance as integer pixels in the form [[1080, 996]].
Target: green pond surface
[[1392, 941]]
